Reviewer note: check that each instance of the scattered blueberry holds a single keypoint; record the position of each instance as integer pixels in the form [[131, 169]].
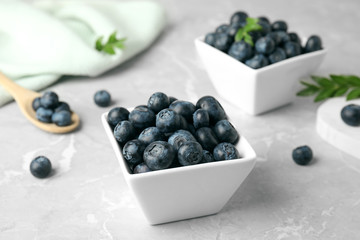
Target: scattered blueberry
[[116, 115], [225, 151], [207, 138], [124, 131], [241, 51], [159, 155], [102, 98], [190, 153], [302, 155], [350, 114], [226, 132], [313, 44], [61, 118], [201, 118], [158, 101], [40, 167], [141, 168], [44, 114], [133, 152]]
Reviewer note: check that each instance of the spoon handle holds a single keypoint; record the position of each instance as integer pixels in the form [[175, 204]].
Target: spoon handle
[[14, 89]]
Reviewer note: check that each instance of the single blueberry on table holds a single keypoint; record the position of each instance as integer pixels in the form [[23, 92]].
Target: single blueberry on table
[[133, 152], [102, 98], [201, 118], [142, 117], [179, 137], [141, 168], [158, 101], [277, 56], [44, 114], [190, 153], [302, 155], [124, 131], [159, 155], [210, 39], [279, 26], [241, 51], [168, 121], [207, 157], [62, 106], [258, 61], [239, 17], [151, 134], [222, 28], [313, 44], [116, 115], [61, 118], [226, 132], [36, 103], [49, 100], [292, 49], [40, 167], [350, 114], [213, 107], [207, 138], [265, 45], [184, 108], [223, 42], [225, 151]]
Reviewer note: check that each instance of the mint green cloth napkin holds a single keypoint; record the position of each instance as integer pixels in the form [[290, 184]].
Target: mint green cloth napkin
[[42, 41]]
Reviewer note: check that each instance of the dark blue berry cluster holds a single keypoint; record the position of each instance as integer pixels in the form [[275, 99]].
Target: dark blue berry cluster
[[169, 133], [272, 43], [50, 110]]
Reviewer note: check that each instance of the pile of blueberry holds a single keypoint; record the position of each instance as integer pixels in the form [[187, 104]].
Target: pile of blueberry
[[50, 110], [169, 133], [350, 114], [272, 44]]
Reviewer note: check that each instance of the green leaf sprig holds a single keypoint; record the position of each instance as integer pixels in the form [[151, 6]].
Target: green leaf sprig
[[243, 33], [110, 45], [335, 86]]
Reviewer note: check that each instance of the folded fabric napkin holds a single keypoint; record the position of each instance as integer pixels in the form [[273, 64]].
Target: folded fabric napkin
[[42, 41]]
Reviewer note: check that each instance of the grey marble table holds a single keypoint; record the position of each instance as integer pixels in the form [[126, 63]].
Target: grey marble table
[[87, 197]]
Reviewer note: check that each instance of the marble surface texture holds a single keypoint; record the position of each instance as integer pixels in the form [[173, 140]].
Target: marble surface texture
[[87, 197]]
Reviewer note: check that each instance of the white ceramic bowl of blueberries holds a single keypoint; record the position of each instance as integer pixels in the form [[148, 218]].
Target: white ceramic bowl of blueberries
[[180, 160], [262, 76]]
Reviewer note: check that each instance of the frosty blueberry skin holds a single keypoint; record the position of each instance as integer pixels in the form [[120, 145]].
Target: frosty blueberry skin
[[151, 134], [159, 155], [124, 131], [141, 168], [190, 153], [184, 108], [226, 132], [313, 44], [168, 121], [36, 103], [49, 100], [201, 118], [133, 151], [225, 151], [207, 138], [102, 98], [142, 117], [302, 155], [213, 107], [350, 114], [44, 114], [116, 115], [207, 157], [179, 137], [61, 118], [40, 167], [158, 101]]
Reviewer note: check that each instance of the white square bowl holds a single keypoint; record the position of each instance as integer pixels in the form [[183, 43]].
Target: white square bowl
[[185, 192], [256, 91]]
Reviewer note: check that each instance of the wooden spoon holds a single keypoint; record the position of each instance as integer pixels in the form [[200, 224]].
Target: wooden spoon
[[24, 99]]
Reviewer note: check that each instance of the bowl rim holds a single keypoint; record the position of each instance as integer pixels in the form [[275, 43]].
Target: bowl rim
[[200, 40], [125, 169]]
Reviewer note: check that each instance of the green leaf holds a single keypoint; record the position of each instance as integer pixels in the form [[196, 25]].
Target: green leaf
[[112, 38], [309, 84], [341, 91], [110, 45], [324, 94], [248, 40], [324, 82], [242, 33], [307, 92], [353, 94], [353, 80], [239, 35], [98, 44], [338, 79]]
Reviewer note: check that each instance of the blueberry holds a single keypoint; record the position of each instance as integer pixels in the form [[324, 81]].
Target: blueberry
[[141, 168], [124, 131], [279, 26], [151, 134], [36, 103], [294, 38], [201, 118], [49, 100], [210, 38], [102, 98], [213, 107], [225, 151], [292, 49], [258, 61], [158, 101], [265, 45], [277, 56], [241, 51], [264, 19], [142, 117], [61, 118], [275, 36], [226, 132], [62, 106], [255, 35], [168, 121], [207, 157], [190, 153], [133, 152], [116, 115], [44, 114], [284, 37], [223, 42], [233, 29], [184, 108], [239, 17], [265, 27], [222, 28], [179, 137], [313, 44], [350, 114], [172, 99], [207, 138], [159, 155], [302, 155], [40, 167]]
